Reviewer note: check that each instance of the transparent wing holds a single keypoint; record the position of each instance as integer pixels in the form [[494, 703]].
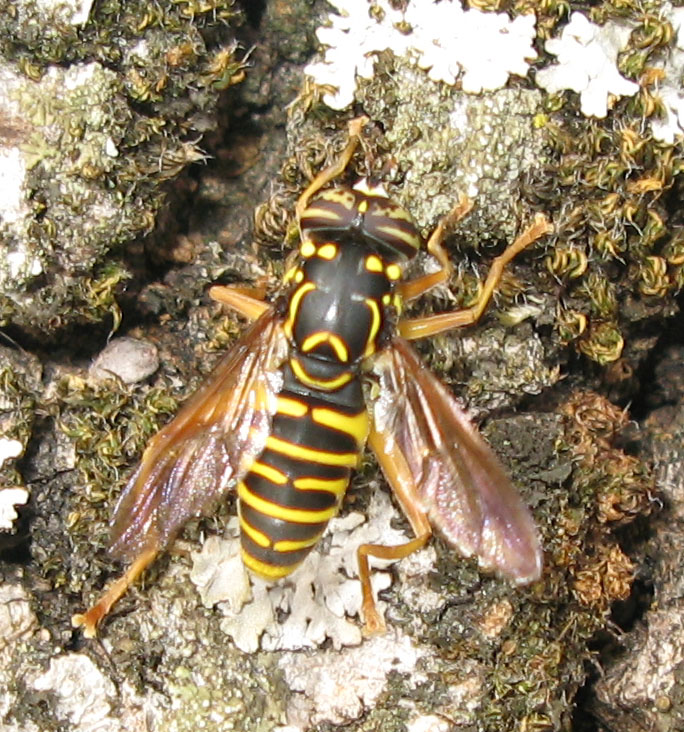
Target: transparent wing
[[210, 443], [454, 473]]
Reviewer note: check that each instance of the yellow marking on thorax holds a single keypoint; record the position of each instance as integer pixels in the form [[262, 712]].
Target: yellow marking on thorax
[[398, 303], [291, 407], [294, 306], [283, 513], [373, 263], [327, 251], [335, 486], [356, 426], [322, 457], [325, 336], [374, 326], [393, 272], [270, 473], [266, 571], [362, 207], [330, 385], [307, 248]]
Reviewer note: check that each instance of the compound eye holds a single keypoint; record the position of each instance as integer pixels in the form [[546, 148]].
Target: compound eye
[[333, 209], [392, 226]]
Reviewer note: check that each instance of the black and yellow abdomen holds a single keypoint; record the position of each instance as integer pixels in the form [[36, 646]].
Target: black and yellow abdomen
[[340, 292], [298, 482]]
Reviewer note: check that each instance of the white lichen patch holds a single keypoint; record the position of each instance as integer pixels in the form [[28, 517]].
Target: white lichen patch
[[587, 63], [320, 601], [17, 624], [73, 12], [671, 93], [84, 693], [13, 204], [480, 49], [338, 686], [428, 723], [9, 499], [9, 449], [66, 123], [17, 620]]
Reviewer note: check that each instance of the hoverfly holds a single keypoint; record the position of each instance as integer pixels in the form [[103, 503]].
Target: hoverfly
[[327, 368]]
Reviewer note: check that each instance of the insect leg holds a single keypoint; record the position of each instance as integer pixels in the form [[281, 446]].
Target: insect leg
[[415, 288], [247, 301], [430, 325], [334, 169], [401, 481], [91, 618]]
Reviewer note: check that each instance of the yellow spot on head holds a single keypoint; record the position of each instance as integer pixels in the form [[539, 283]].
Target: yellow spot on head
[[373, 263], [386, 299], [363, 207], [327, 251], [299, 276]]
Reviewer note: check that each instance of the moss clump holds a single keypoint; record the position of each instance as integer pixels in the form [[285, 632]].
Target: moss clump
[[104, 114]]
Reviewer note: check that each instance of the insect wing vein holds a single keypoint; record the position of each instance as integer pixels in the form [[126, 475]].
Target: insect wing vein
[[206, 448], [462, 486]]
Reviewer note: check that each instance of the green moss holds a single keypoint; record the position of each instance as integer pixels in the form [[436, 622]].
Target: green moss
[[109, 112]]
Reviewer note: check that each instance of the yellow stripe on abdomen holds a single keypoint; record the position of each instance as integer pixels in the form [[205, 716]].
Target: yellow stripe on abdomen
[[336, 487], [309, 454], [289, 545], [356, 426], [283, 513], [267, 571]]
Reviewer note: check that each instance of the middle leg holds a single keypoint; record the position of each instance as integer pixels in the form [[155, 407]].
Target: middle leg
[[430, 325]]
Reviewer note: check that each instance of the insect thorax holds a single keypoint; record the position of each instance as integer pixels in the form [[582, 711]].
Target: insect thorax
[[351, 256]]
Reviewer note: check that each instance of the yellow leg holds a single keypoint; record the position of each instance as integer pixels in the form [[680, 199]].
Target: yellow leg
[[333, 170], [92, 617], [401, 481], [246, 301], [373, 621], [432, 324], [415, 288]]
